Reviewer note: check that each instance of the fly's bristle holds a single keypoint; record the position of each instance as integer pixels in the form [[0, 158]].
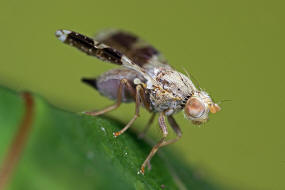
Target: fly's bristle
[[62, 34], [91, 82]]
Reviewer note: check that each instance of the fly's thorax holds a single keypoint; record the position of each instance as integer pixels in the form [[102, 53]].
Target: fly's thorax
[[175, 82], [171, 90], [198, 107], [162, 100]]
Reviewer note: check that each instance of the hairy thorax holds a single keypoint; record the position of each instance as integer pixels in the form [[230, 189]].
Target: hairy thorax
[[171, 91]]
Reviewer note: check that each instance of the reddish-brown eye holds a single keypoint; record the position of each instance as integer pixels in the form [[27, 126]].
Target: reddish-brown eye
[[194, 108]]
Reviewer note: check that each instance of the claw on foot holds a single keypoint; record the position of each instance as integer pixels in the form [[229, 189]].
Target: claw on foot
[[142, 170], [116, 134]]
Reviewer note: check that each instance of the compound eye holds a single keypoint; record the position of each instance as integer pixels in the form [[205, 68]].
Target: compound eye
[[194, 108]]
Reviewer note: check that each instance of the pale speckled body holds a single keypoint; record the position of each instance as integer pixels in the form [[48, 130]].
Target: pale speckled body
[[171, 91], [169, 94]]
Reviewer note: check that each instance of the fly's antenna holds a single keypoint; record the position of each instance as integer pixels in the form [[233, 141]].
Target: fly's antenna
[[221, 101], [191, 76]]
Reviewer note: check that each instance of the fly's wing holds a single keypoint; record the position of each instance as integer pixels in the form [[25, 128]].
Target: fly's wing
[[90, 46], [137, 50], [99, 50]]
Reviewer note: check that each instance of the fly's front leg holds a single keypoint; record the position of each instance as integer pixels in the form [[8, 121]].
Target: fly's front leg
[[123, 82], [162, 142], [138, 90], [163, 128]]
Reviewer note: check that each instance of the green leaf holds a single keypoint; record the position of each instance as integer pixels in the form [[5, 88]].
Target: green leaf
[[73, 151]]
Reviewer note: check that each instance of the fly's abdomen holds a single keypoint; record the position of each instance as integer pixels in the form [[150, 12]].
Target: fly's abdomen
[[108, 83]]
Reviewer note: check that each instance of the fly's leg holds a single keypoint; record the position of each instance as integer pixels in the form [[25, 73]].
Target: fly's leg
[[123, 82], [163, 128], [146, 128], [175, 128], [162, 142], [138, 90]]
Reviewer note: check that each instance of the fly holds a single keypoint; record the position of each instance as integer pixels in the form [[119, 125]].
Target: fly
[[144, 78]]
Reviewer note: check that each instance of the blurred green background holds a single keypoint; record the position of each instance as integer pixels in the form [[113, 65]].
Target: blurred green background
[[234, 48]]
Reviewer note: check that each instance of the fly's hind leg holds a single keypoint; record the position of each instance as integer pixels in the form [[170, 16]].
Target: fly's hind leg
[[123, 82], [138, 101], [162, 141]]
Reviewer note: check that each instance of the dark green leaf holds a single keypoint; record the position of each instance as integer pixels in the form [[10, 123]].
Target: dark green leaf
[[74, 151]]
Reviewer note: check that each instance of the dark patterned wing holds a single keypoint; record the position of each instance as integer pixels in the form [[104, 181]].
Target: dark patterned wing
[[140, 52], [99, 50], [90, 46]]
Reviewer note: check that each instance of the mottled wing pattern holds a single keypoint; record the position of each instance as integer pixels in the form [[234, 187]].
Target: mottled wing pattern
[[99, 50], [90, 46], [140, 52]]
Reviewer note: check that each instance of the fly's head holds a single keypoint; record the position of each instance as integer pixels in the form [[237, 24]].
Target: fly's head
[[198, 107]]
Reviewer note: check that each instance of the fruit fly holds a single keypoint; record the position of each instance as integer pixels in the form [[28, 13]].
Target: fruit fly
[[143, 77]]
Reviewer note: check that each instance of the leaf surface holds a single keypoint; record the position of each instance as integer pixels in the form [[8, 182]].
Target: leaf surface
[[67, 150]]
